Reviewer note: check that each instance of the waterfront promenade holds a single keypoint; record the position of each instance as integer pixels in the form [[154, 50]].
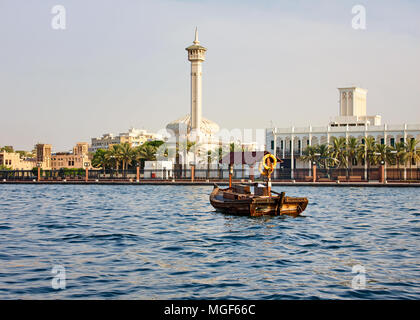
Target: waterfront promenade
[[209, 183], [281, 177]]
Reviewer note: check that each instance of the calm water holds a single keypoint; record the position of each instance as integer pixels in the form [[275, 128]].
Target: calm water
[[167, 242]]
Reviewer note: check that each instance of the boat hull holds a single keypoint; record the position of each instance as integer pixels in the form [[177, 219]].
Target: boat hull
[[256, 205]]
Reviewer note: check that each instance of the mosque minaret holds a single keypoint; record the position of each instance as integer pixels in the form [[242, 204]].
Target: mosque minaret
[[196, 55], [194, 122]]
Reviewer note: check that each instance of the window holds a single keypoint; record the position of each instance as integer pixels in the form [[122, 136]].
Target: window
[[402, 140], [281, 143], [392, 142], [272, 144], [382, 141]]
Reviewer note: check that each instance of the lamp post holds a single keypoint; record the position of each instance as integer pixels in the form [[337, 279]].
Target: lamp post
[[230, 175], [192, 166], [314, 171], [39, 164], [86, 165], [138, 171], [381, 167], [382, 172]]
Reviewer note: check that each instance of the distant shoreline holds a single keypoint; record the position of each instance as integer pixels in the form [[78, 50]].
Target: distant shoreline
[[221, 183]]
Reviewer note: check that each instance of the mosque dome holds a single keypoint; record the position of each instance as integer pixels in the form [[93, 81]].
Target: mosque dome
[[183, 124]]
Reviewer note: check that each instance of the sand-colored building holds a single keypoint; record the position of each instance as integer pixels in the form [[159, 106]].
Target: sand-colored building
[[135, 137], [72, 160], [14, 161], [43, 155]]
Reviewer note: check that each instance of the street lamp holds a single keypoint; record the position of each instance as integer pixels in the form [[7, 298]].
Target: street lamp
[[138, 171], [86, 165], [39, 165]]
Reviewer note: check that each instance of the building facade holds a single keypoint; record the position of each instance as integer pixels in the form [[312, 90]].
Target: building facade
[[72, 160], [352, 109], [135, 137], [290, 143], [43, 155], [14, 161]]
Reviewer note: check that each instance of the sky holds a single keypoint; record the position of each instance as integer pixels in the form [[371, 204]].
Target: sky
[[122, 64]]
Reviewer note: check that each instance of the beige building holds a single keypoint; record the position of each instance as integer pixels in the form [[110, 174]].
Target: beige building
[[135, 137], [352, 109], [43, 155], [14, 161], [72, 160]]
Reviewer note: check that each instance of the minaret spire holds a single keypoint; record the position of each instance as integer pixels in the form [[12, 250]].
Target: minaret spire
[[196, 55], [196, 36]]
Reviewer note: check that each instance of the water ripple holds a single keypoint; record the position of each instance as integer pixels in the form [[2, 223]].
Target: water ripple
[[167, 242]]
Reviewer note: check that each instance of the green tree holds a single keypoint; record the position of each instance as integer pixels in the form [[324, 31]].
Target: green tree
[[311, 154], [323, 152], [113, 156], [8, 149], [400, 154], [338, 151], [126, 155], [351, 149], [210, 158], [146, 153], [412, 153], [154, 143], [366, 152], [383, 154], [100, 160]]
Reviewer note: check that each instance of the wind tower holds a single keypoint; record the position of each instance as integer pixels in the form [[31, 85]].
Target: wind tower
[[196, 55]]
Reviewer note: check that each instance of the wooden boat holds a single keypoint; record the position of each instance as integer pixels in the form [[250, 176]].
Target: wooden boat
[[238, 199]]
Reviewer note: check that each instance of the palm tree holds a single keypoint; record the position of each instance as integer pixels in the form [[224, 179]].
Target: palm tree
[[323, 151], [220, 155], [99, 159], [113, 155], [383, 154], [412, 154], [233, 146], [210, 158], [310, 154], [400, 155], [147, 153], [338, 151], [366, 153], [351, 150], [126, 155]]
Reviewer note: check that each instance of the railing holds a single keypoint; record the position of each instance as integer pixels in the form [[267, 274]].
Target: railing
[[279, 174]]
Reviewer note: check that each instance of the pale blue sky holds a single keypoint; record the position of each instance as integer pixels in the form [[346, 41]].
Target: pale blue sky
[[123, 63]]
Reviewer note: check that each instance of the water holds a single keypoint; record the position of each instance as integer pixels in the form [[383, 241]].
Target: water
[[167, 242]]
